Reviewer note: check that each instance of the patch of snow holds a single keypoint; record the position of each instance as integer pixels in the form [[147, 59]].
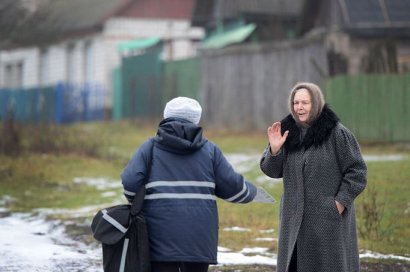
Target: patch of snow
[[99, 183], [223, 249], [33, 244], [236, 229], [228, 258], [267, 231], [254, 250], [375, 255], [372, 158], [268, 239]]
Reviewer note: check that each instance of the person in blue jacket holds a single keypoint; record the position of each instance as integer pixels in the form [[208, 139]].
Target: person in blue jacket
[[183, 174]]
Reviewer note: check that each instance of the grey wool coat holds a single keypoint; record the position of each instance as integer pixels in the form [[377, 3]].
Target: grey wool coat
[[326, 165]]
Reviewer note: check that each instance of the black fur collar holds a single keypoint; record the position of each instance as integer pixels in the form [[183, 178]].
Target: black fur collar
[[316, 134]]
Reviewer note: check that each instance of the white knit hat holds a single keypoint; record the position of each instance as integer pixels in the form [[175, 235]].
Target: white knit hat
[[184, 108]]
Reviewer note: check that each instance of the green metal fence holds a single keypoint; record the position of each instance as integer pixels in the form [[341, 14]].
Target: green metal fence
[[140, 85], [375, 107], [182, 78], [144, 83]]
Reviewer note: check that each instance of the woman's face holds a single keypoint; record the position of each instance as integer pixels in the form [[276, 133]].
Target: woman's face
[[302, 104]]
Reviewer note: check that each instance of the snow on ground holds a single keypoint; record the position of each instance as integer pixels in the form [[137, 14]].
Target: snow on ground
[[31, 243], [394, 157], [375, 255], [240, 229]]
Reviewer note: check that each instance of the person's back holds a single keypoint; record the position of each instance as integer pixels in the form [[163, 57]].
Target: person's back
[[187, 174]]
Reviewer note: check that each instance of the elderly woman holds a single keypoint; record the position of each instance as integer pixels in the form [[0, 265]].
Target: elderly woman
[[323, 172]]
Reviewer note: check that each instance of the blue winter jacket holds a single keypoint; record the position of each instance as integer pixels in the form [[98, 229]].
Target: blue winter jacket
[[187, 174]]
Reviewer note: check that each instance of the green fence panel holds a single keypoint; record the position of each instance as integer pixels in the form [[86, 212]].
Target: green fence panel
[[406, 101], [182, 78], [141, 86], [374, 107]]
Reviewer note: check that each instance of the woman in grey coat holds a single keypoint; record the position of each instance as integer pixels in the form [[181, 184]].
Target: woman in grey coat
[[323, 172]]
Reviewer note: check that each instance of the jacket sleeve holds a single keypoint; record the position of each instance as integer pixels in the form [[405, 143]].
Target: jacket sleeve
[[272, 165], [134, 174], [230, 185], [352, 166]]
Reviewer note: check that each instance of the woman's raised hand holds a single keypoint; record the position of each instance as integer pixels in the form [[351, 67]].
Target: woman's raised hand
[[276, 139]]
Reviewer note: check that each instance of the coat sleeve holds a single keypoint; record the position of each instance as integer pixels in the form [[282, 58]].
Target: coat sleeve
[[352, 166], [272, 165], [134, 174], [230, 185]]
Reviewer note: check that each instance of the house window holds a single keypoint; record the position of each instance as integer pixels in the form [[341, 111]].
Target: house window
[[13, 75]]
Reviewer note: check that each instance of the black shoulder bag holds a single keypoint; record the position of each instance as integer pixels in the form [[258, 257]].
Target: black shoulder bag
[[123, 233]]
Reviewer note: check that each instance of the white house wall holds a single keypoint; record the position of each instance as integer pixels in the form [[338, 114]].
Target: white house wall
[[56, 69], [48, 66]]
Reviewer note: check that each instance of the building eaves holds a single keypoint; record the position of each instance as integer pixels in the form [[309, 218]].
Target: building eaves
[[54, 20]]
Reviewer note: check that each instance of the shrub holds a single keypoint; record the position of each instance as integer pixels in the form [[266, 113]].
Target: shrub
[[10, 137], [371, 212]]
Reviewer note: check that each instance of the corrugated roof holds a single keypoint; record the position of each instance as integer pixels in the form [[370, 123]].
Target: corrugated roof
[[398, 10], [376, 18], [211, 10], [233, 8], [375, 12]]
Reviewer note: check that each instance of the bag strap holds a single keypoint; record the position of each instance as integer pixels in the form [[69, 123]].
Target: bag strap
[[138, 200]]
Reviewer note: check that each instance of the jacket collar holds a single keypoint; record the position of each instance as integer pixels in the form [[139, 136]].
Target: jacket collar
[[316, 134]]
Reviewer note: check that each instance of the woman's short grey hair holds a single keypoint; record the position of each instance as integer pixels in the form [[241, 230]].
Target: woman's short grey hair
[[316, 95]]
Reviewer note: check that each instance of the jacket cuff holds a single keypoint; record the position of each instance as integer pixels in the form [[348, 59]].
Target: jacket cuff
[[270, 152], [344, 199]]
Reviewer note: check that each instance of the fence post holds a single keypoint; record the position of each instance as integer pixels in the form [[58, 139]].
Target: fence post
[[59, 103], [85, 94]]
